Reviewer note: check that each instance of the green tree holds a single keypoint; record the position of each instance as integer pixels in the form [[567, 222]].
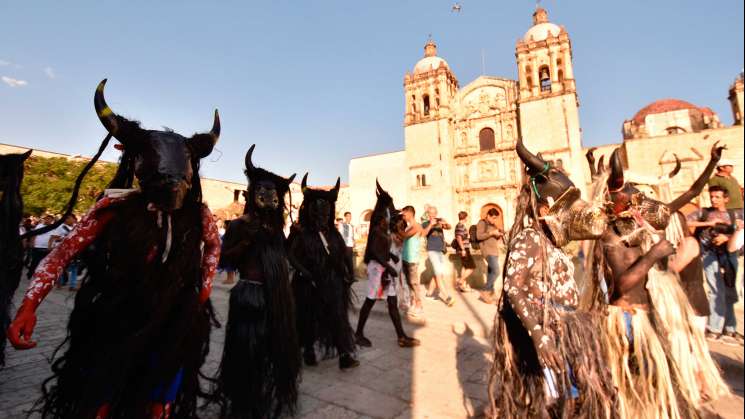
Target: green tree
[[48, 183]]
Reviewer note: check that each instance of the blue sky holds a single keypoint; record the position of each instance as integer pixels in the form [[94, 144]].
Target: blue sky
[[315, 83]]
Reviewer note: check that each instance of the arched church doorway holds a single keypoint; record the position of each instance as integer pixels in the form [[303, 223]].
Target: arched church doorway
[[500, 216]]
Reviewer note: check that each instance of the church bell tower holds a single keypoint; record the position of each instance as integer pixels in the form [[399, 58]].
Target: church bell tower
[[548, 104]]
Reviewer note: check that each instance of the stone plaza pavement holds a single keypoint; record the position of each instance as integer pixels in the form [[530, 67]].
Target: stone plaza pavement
[[443, 378]]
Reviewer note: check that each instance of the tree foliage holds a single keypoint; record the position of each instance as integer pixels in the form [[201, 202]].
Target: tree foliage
[[48, 183]]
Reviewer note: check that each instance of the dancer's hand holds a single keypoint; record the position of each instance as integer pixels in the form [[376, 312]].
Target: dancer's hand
[[548, 355], [662, 248], [20, 330]]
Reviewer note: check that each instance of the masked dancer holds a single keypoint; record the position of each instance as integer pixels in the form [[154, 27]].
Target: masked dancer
[[322, 279], [139, 330], [258, 375], [547, 355]]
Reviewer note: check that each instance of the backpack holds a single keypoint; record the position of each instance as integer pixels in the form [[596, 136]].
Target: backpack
[[472, 237]]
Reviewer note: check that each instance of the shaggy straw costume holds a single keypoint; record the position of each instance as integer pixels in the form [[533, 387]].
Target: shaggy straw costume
[[139, 331], [537, 317], [322, 279], [660, 361], [260, 365], [11, 251]]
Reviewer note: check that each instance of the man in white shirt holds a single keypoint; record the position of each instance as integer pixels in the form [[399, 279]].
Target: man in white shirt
[[347, 233], [41, 244]]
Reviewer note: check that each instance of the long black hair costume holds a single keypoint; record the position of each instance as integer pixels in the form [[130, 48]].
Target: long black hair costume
[[322, 279], [258, 375], [139, 331], [548, 358], [11, 251]]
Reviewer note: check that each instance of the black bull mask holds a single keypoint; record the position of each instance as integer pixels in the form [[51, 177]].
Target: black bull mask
[[164, 161], [266, 190], [319, 206], [569, 217]]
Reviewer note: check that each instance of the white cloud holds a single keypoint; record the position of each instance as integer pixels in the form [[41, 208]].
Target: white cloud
[[4, 63], [13, 82], [49, 71]]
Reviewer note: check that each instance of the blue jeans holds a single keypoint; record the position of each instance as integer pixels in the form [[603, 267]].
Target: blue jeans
[[492, 262], [722, 312], [72, 273]]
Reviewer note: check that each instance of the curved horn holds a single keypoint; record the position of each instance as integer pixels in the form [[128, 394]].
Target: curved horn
[[291, 178], [304, 183], [676, 169], [378, 188], [530, 160], [215, 131], [337, 186], [250, 168], [591, 161], [601, 165], [615, 180], [105, 114]]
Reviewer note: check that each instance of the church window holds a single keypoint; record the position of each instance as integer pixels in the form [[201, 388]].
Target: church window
[[486, 139], [424, 181], [545, 79], [561, 76], [236, 195], [674, 130], [425, 99]]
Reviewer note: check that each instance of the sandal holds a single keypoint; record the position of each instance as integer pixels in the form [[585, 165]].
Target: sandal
[[450, 301]]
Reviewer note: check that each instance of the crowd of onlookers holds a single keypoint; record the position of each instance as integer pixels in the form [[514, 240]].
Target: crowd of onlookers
[[718, 231], [37, 247]]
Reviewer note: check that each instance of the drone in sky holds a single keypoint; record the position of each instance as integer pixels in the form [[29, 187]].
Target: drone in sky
[[456, 8]]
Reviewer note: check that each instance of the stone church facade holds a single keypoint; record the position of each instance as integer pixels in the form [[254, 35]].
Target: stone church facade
[[459, 142]]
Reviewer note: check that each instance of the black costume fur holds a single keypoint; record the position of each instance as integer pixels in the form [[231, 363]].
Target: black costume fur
[[260, 367], [11, 251], [322, 278]]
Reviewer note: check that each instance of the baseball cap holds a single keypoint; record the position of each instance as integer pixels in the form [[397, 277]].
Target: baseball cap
[[725, 162]]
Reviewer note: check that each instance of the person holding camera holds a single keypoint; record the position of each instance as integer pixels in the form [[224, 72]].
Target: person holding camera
[[432, 229], [715, 226]]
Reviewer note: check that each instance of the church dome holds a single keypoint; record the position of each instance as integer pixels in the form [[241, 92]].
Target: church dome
[[429, 64], [430, 61], [666, 105], [542, 31], [542, 28]]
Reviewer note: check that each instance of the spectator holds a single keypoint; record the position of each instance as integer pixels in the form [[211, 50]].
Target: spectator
[[723, 178], [714, 228], [410, 257], [463, 247], [436, 251], [347, 233], [488, 235], [223, 265], [40, 244], [70, 274]]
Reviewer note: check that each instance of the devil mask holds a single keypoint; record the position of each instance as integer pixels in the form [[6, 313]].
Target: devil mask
[[266, 191], [319, 206], [627, 201], [569, 217], [164, 161]]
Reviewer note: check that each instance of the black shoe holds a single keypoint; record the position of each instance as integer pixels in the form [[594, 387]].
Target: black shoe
[[309, 356], [362, 341], [347, 361], [407, 342]]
